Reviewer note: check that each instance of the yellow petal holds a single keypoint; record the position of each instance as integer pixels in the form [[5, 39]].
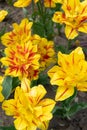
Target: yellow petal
[[47, 107], [64, 92], [22, 3], [57, 80], [49, 3], [20, 123], [83, 28], [3, 14], [25, 85], [82, 86], [44, 125], [37, 93], [70, 32], [10, 107], [1, 96], [38, 111], [58, 1], [58, 17], [52, 71]]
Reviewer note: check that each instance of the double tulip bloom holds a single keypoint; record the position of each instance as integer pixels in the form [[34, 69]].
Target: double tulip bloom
[[73, 16], [28, 107], [70, 73], [26, 54]]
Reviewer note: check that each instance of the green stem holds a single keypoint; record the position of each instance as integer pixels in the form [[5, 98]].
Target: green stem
[[33, 10], [69, 44], [42, 13]]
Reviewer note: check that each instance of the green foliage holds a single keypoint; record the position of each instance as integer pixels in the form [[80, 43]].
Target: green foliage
[[7, 128], [43, 79], [10, 2], [38, 28], [2, 31], [76, 107], [15, 82], [25, 12], [8, 85]]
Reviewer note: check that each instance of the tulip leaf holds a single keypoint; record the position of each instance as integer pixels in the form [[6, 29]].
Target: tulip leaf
[[2, 31], [7, 128], [58, 111], [7, 86], [15, 82], [43, 79], [38, 28], [76, 107]]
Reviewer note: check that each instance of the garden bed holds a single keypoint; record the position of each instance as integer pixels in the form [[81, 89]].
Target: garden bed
[[79, 120]]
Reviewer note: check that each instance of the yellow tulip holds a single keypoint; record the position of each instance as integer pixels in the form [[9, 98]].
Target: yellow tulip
[[20, 33], [70, 72], [29, 108], [3, 14], [45, 49], [22, 60], [74, 17], [24, 3]]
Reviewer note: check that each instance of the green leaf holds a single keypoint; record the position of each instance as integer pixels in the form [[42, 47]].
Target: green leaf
[[2, 31], [43, 79], [25, 12], [58, 111], [7, 86], [76, 107], [38, 28], [7, 128], [15, 82], [49, 29]]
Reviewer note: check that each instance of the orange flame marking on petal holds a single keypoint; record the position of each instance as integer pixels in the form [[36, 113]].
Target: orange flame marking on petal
[[84, 9], [59, 79], [63, 93], [73, 58], [47, 105], [44, 124], [70, 33], [68, 8], [34, 123], [30, 98]]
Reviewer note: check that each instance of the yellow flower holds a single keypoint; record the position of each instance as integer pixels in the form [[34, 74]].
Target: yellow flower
[[22, 60], [24, 3], [49, 3], [71, 72], [3, 14], [29, 108], [20, 33], [1, 96], [74, 17], [45, 49]]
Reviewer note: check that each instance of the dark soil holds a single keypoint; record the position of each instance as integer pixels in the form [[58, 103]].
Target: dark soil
[[78, 121]]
